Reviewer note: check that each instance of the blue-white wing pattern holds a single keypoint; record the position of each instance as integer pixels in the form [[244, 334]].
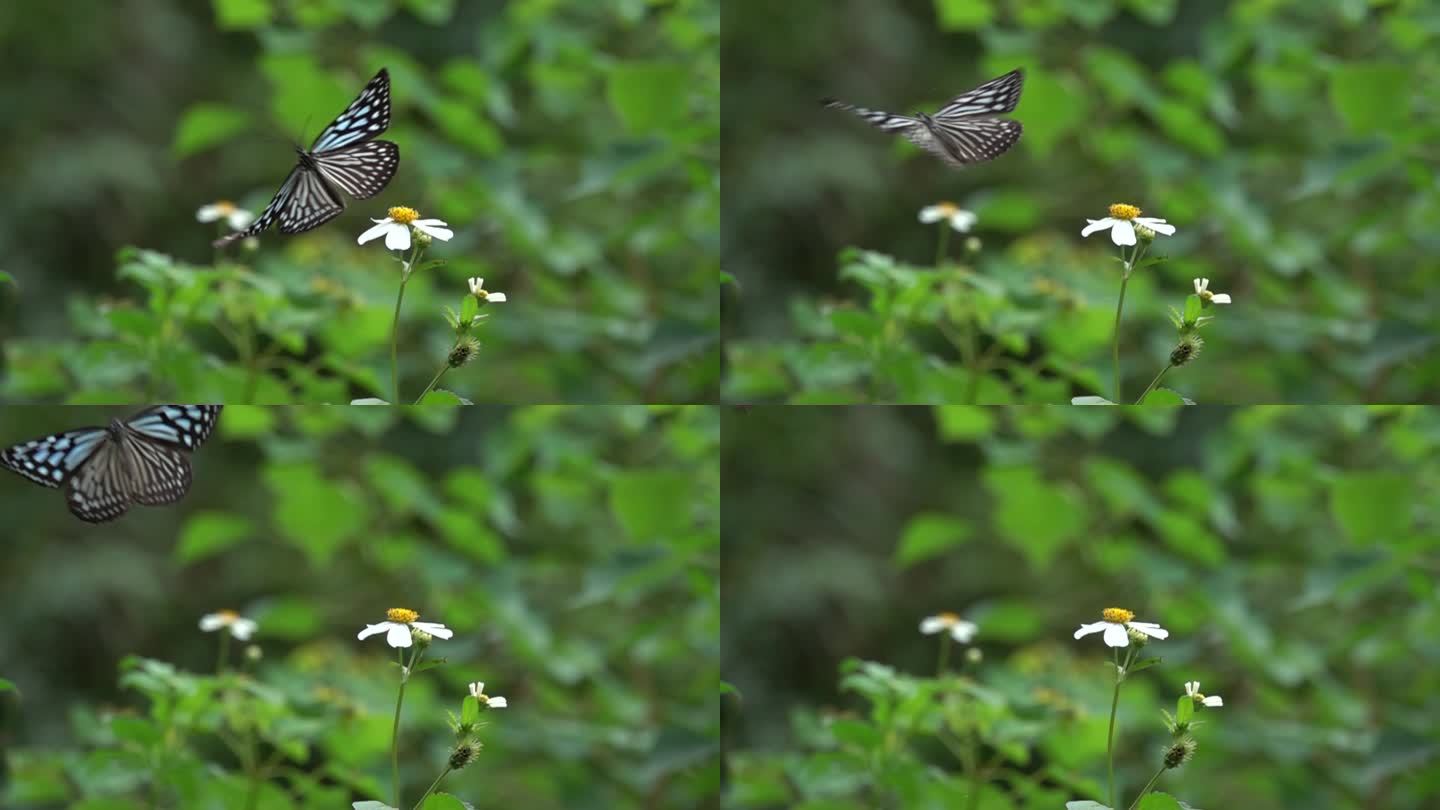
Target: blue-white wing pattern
[[366, 117], [50, 461], [184, 426], [361, 171], [963, 131], [999, 95], [312, 204], [272, 211]]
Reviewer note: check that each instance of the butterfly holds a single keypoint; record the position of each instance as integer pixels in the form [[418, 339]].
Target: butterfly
[[962, 132], [141, 460], [343, 158]]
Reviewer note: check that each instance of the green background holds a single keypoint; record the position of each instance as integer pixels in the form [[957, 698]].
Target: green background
[[573, 551], [1291, 142], [572, 146], [1291, 552]]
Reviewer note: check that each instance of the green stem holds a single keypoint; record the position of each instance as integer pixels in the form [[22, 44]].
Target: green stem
[[432, 787], [944, 653], [1115, 339], [944, 243], [1114, 708], [433, 383], [224, 650], [1153, 383], [1147, 787], [395, 729], [395, 338]]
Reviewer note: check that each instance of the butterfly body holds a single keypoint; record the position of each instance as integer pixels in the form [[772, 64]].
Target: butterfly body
[[344, 158], [963, 132], [143, 459]]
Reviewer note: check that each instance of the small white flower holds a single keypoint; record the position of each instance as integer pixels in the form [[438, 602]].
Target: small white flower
[[477, 691], [960, 630], [239, 626], [401, 622], [235, 216], [959, 219], [1116, 622], [396, 228], [1192, 688], [1122, 221], [1202, 289], [477, 289]]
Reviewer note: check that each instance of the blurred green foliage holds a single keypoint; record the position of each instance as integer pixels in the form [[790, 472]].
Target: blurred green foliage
[[1291, 142], [573, 147], [1292, 553], [573, 551]]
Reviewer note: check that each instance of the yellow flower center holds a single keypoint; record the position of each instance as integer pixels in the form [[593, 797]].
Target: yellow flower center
[[401, 615], [1117, 615], [947, 209], [405, 216], [947, 617], [1124, 211], [226, 208], [227, 616]]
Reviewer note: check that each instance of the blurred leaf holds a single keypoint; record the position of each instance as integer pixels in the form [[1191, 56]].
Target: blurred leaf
[[964, 422], [232, 15], [1037, 517], [648, 95], [930, 535], [650, 504], [1373, 507], [434, 12], [963, 15], [315, 514], [209, 533], [1159, 801], [206, 125], [444, 801], [1371, 96]]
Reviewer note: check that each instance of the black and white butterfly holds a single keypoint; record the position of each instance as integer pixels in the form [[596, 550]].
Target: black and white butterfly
[[104, 470], [343, 158], [965, 130]]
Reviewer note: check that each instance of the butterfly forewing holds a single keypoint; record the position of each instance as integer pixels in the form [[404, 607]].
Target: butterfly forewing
[[313, 203], [361, 171], [962, 132], [366, 117], [51, 461], [184, 426]]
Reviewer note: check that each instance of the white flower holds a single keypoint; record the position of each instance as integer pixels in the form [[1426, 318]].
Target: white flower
[[240, 627], [1202, 289], [235, 216], [1192, 688], [401, 622], [477, 691], [477, 289], [1116, 621], [960, 630], [396, 228], [1122, 221], [960, 219]]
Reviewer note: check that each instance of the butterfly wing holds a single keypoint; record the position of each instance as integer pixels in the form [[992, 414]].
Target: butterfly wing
[[98, 490], [966, 141], [159, 472], [183, 426], [362, 170], [366, 117], [880, 119], [52, 460], [271, 212], [999, 95], [313, 203]]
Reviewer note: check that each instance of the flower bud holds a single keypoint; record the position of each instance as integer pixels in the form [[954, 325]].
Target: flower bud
[[463, 352], [1179, 752], [1145, 234], [463, 755], [1187, 350]]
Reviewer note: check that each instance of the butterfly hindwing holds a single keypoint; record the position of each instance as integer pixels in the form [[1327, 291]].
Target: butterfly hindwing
[[99, 491], [312, 204], [361, 171], [968, 141]]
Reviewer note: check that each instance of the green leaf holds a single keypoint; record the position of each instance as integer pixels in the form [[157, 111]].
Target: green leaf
[[1371, 96], [1373, 507], [8, 686], [313, 513], [1193, 308], [443, 801], [649, 95], [233, 15], [1036, 516], [469, 709], [1159, 801], [1184, 709], [440, 396], [1144, 664], [650, 504], [469, 308], [930, 535], [1164, 396], [209, 533], [857, 733], [963, 15], [959, 423], [1052, 108], [7, 278], [207, 125]]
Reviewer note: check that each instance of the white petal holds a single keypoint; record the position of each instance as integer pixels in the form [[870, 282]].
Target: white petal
[[477, 689], [432, 227], [1097, 225], [933, 624], [962, 221], [1115, 635], [1200, 285], [399, 635], [1150, 629], [1213, 700], [476, 285], [433, 628], [208, 213], [240, 219], [963, 632], [372, 629], [1191, 687], [931, 214], [1220, 298], [397, 237], [211, 622], [496, 703], [1087, 629], [495, 298], [1123, 233], [243, 629], [374, 231], [1159, 226]]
